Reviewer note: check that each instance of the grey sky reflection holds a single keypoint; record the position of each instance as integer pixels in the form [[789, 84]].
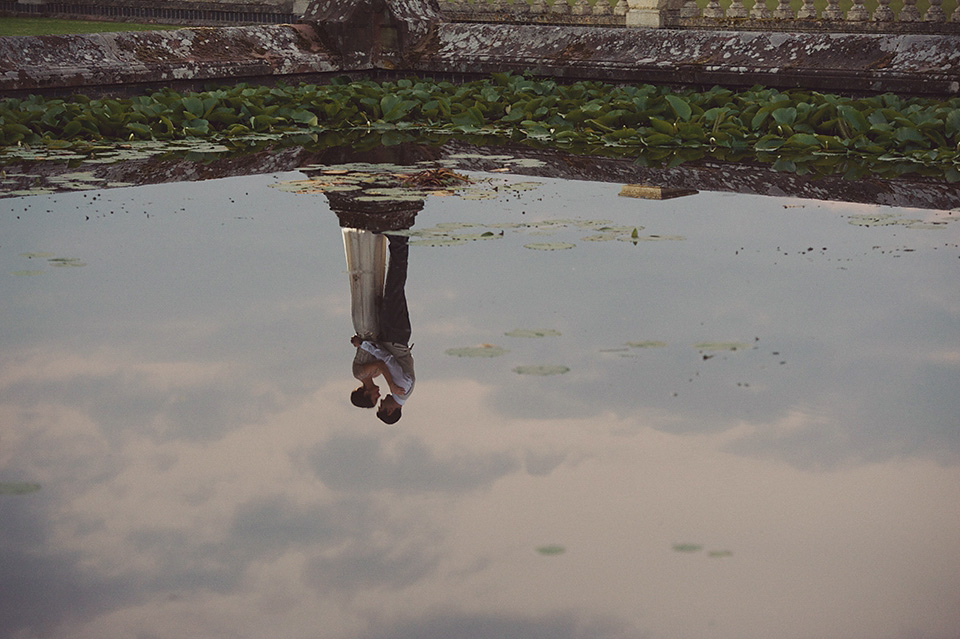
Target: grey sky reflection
[[475, 626], [356, 463], [182, 401]]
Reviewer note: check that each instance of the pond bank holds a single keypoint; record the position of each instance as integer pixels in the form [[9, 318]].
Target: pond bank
[[401, 37]]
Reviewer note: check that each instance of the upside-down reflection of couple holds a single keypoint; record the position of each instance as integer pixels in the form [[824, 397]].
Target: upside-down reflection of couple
[[381, 320]]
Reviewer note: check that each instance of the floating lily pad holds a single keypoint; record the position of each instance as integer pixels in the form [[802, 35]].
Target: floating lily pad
[[438, 241], [687, 547], [86, 176], [721, 346], [551, 550], [526, 162], [18, 488], [521, 186], [646, 344], [473, 237], [719, 553], [484, 350], [35, 191], [478, 195], [33, 255], [652, 238], [878, 219], [542, 370], [66, 261], [453, 226], [549, 246], [533, 332]]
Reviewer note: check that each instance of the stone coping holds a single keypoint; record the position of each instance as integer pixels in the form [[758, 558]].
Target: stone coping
[[845, 63], [122, 61], [911, 64]]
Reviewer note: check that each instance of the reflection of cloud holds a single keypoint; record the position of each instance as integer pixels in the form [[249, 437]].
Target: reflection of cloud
[[353, 462], [35, 584], [363, 565], [489, 626], [171, 399]]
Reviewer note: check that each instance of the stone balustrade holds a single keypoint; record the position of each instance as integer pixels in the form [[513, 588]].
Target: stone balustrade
[[911, 16]]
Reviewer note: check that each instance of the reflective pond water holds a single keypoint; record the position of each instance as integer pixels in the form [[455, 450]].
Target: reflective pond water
[[717, 415]]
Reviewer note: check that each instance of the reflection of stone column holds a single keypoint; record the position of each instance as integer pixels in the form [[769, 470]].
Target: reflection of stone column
[[366, 253]]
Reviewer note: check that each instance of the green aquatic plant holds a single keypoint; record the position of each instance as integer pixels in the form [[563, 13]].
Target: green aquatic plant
[[801, 131], [551, 550], [721, 346], [17, 488], [533, 332], [541, 369]]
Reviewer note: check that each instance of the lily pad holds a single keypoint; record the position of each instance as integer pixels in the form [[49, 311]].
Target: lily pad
[[541, 369], [551, 550], [533, 332], [647, 344], [66, 261], [438, 241], [877, 219], [719, 553], [549, 246], [18, 488], [687, 547], [484, 350], [652, 238], [721, 346]]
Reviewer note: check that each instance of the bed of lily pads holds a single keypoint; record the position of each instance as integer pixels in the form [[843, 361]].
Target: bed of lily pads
[[800, 131]]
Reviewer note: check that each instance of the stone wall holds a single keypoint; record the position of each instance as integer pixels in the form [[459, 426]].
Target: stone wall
[[181, 12], [377, 37]]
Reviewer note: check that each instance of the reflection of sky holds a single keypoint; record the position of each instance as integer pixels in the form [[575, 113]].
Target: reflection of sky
[[182, 399]]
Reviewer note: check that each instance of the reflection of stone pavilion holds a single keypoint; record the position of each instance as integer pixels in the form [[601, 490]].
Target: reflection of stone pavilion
[[373, 215]]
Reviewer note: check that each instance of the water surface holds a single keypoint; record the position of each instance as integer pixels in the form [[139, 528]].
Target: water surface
[[756, 436]]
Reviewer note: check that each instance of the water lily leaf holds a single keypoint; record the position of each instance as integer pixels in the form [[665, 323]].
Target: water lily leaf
[[687, 547], [65, 261], [721, 346], [18, 488], [680, 106], [876, 219], [652, 238], [484, 350], [536, 332], [37, 255], [551, 550], [646, 344], [438, 241], [719, 553], [543, 370], [549, 246]]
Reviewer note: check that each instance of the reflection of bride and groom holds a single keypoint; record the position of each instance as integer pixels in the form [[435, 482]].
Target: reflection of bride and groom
[[380, 320]]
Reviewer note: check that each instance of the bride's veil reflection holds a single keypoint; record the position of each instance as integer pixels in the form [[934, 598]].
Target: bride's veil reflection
[[377, 268]]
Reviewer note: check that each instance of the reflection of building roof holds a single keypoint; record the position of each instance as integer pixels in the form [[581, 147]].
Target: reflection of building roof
[[377, 215]]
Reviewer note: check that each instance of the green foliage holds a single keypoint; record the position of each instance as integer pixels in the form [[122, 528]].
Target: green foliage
[[53, 26], [801, 131]]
